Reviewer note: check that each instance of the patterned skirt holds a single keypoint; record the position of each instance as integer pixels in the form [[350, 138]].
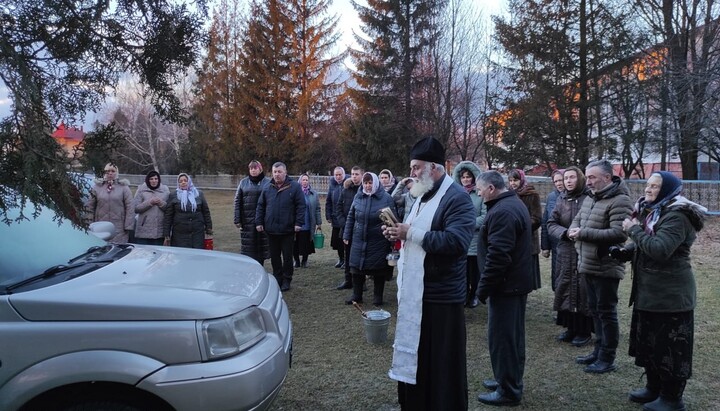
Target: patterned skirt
[[663, 342]]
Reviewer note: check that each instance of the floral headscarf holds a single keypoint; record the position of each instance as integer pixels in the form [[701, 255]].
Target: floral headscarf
[[519, 175], [188, 195]]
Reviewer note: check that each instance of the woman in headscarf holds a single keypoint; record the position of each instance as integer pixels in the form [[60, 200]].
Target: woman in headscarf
[[187, 217], [663, 228], [150, 201], [531, 199], [304, 244], [466, 174], [387, 180], [111, 200], [570, 288], [253, 243], [368, 246]]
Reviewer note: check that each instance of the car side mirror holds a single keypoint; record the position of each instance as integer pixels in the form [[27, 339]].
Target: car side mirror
[[103, 230]]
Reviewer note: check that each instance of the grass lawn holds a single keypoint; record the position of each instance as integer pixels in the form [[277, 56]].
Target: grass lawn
[[335, 368]]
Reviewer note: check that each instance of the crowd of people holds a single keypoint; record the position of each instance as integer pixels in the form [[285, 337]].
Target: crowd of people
[[471, 238]]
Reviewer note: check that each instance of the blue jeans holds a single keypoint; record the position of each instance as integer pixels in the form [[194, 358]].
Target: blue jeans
[[602, 299]]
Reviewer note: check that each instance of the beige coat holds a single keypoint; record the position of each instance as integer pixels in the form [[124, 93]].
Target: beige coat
[[150, 217], [115, 206]]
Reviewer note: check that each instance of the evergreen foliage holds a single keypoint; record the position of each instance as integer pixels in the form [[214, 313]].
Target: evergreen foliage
[[60, 59]]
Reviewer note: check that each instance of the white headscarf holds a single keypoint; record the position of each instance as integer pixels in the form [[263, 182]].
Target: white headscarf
[[187, 195], [375, 183]]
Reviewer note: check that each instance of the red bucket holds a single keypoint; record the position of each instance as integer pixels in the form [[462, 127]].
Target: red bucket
[[209, 244]]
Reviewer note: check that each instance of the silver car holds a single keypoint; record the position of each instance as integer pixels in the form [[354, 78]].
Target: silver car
[[86, 324]]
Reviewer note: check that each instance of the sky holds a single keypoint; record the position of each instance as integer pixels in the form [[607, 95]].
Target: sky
[[349, 21]]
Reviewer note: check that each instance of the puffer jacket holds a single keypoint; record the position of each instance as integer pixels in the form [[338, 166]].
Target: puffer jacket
[[331, 202], [600, 221], [663, 279], [570, 290], [150, 217], [187, 228], [478, 203], [530, 197], [252, 242], [362, 228], [115, 206], [347, 196]]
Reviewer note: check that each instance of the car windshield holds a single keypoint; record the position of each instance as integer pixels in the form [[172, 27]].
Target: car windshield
[[29, 247]]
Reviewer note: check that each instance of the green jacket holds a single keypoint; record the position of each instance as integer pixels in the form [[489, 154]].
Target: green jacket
[[663, 280]]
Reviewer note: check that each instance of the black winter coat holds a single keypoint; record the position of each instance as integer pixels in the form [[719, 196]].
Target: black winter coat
[[332, 202], [505, 248], [446, 245], [187, 228], [252, 242], [362, 228], [347, 195], [282, 208]]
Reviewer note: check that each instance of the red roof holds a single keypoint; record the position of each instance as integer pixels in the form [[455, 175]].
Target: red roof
[[68, 133]]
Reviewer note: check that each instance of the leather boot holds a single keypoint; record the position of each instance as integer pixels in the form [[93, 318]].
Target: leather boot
[[670, 399], [378, 289], [347, 284], [650, 392], [358, 281]]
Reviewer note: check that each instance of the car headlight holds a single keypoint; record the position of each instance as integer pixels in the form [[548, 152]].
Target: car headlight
[[224, 337]]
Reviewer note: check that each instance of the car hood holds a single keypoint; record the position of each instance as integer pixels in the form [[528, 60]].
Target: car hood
[[152, 283]]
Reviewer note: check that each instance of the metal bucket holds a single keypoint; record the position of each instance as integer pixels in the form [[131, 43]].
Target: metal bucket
[[376, 326]]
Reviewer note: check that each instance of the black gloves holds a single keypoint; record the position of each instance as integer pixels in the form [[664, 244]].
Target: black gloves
[[621, 254]]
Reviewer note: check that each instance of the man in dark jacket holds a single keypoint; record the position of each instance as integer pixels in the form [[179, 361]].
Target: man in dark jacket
[[596, 227], [331, 204], [429, 360], [253, 243], [505, 248], [347, 195], [281, 213]]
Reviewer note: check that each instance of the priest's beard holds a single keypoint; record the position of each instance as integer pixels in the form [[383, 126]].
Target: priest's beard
[[423, 183]]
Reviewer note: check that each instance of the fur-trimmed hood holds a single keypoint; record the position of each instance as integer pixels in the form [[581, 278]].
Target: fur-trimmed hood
[[466, 165], [694, 211], [349, 183]]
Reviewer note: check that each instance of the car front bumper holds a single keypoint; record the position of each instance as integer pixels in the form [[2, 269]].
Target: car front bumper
[[235, 383]]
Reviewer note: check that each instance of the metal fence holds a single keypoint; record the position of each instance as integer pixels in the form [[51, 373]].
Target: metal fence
[[703, 192]]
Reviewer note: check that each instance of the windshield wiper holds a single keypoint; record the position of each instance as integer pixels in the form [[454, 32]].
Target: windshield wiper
[[52, 271], [92, 250]]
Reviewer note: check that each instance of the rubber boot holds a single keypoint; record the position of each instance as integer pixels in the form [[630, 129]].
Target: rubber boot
[[670, 399], [378, 289], [650, 392], [358, 281]]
